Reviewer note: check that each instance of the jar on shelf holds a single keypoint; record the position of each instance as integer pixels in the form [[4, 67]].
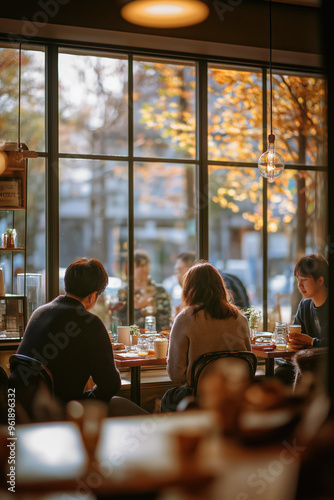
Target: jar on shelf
[[8, 239]]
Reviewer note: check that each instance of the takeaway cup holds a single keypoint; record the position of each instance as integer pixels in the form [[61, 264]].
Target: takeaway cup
[[123, 334], [160, 348]]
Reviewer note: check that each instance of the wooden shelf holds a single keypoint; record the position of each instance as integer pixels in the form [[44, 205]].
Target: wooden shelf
[[16, 249], [16, 170]]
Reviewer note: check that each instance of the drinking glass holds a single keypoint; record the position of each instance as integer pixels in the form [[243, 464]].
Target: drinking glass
[[280, 333], [150, 323], [142, 348]]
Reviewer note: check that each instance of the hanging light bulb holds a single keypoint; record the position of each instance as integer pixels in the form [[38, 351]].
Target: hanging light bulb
[[271, 163], [165, 13]]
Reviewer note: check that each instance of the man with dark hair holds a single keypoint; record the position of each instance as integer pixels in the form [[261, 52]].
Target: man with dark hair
[[238, 292], [312, 314], [311, 272], [74, 343], [184, 261], [85, 276], [70, 341]]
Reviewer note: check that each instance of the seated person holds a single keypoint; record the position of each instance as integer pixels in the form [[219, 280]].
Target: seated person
[[72, 342], [312, 314], [209, 322], [184, 261], [234, 285], [237, 290], [150, 299]]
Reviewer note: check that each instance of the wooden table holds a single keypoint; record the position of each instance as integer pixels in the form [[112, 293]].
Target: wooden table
[[135, 364], [134, 455], [270, 356], [142, 455]]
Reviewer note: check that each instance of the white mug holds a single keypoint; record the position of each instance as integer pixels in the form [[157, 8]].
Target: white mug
[[123, 334]]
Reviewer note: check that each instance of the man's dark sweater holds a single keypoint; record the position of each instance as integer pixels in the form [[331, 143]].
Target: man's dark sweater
[[74, 345], [314, 321]]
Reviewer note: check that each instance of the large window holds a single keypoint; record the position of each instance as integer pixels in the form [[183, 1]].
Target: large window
[[32, 133], [131, 153]]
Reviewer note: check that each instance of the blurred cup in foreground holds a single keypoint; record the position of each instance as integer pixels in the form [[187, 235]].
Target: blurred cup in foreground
[[160, 348]]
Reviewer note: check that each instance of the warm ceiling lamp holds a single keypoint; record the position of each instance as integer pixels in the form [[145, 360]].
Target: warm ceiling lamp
[[271, 163], [165, 13]]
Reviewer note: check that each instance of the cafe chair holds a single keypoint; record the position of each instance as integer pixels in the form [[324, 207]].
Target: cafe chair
[[310, 360], [30, 367], [30, 378], [3, 395], [202, 362]]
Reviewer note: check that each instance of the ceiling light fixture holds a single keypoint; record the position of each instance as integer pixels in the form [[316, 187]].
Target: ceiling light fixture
[[165, 13], [271, 163]]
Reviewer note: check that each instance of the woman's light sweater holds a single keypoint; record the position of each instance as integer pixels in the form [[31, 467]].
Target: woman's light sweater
[[192, 336]]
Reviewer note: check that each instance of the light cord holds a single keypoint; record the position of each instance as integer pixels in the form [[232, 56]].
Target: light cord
[[19, 112], [270, 71]]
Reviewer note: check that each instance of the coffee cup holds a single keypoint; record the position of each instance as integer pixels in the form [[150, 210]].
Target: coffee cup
[[123, 334], [294, 329], [160, 348]]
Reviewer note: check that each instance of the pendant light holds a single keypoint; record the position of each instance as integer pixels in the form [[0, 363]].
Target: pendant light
[[165, 13], [271, 163], [21, 152]]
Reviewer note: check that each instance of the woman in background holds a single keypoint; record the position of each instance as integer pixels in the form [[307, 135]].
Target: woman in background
[[150, 298], [209, 322]]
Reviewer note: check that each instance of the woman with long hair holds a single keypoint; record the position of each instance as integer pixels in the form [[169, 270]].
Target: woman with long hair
[[208, 322]]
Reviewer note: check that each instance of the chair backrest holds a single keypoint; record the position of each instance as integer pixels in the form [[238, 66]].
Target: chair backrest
[[30, 371], [313, 360], [203, 361], [3, 395], [3, 381]]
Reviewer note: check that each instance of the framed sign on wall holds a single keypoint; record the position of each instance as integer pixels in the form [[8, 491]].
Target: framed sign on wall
[[10, 192]]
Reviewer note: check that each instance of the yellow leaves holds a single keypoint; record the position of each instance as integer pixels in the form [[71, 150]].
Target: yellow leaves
[[272, 227], [253, 196], [287, 219], [232, 206]]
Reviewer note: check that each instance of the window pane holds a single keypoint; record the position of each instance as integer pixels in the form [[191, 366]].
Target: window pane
[[36, 235], [164, 110], [299, 118], [165, 222], [234, 114], [297, 225], [93, 116], [32, 97], [93, 211], [235, 226]]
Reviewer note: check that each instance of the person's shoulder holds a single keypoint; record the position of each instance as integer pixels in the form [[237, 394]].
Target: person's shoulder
[[305, 304], [240, 318], [185, 314]]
